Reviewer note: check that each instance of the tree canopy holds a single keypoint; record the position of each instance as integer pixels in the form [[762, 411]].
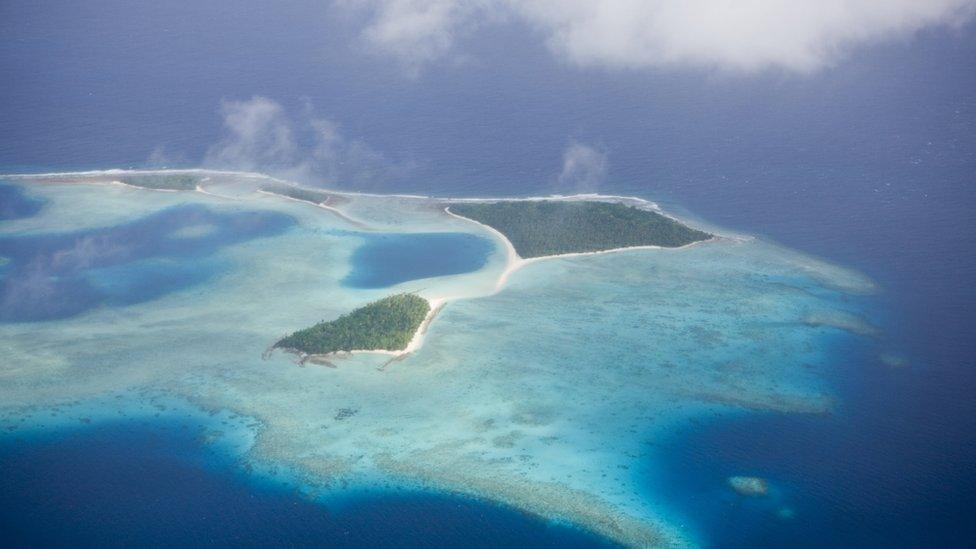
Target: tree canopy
[[387, 324], [549, 227]]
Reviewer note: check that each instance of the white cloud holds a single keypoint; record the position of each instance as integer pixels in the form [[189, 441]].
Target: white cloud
[[159, 157], [260, 136], [584, 168], [730, 35], [416, 31]]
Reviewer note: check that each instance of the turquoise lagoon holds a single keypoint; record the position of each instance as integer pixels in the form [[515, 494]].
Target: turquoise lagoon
[[550, 395]]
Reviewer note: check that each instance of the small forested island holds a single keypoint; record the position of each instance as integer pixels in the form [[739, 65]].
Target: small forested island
[[169, 182], [314, 196], [539, 228], [384, 325]]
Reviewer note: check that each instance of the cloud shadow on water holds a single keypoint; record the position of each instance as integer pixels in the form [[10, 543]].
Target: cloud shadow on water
[[15, 204], [55, 276]]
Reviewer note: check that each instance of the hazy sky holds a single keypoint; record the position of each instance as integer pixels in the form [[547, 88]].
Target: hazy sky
[[532, 96], [744, 39]]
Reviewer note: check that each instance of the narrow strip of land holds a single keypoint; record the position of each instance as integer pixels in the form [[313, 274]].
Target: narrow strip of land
[[319, 198], [396, 325], [531, 229]]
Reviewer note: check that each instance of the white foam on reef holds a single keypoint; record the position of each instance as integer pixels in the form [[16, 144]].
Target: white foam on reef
[[548, 395], [109, 175]]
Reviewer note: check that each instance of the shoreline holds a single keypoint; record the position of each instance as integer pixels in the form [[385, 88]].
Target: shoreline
[[242, 434], [436, 306], [516, 262], [258, 175], [579, 197], [339, 213], [513, 262], [490, 491]]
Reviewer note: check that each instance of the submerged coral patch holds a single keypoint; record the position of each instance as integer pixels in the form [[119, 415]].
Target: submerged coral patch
[[550, 392]]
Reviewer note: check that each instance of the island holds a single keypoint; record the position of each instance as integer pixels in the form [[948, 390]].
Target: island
[[538, 228], [164, 181], [495, 410], [388, 324], [314, 196]]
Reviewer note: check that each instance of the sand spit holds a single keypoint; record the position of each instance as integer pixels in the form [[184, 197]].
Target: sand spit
[[825, 273], [513, 261], [200, 189], [558, 423], [325, 206]]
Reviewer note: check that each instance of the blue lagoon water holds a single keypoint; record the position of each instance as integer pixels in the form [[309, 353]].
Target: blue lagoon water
[[15, 204], [388, 259], [51, 276], [869, 164]]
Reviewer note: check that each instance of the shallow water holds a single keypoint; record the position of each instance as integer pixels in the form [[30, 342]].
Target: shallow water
[[58, 275], [550, 396], [868, 163]]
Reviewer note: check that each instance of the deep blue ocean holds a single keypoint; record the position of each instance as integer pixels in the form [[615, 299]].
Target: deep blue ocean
[[133, 484], [871, 164]]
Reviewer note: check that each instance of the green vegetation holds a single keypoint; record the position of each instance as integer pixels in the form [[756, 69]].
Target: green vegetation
[[299, 193], [388, 324], [549, 227], [171, 182]]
